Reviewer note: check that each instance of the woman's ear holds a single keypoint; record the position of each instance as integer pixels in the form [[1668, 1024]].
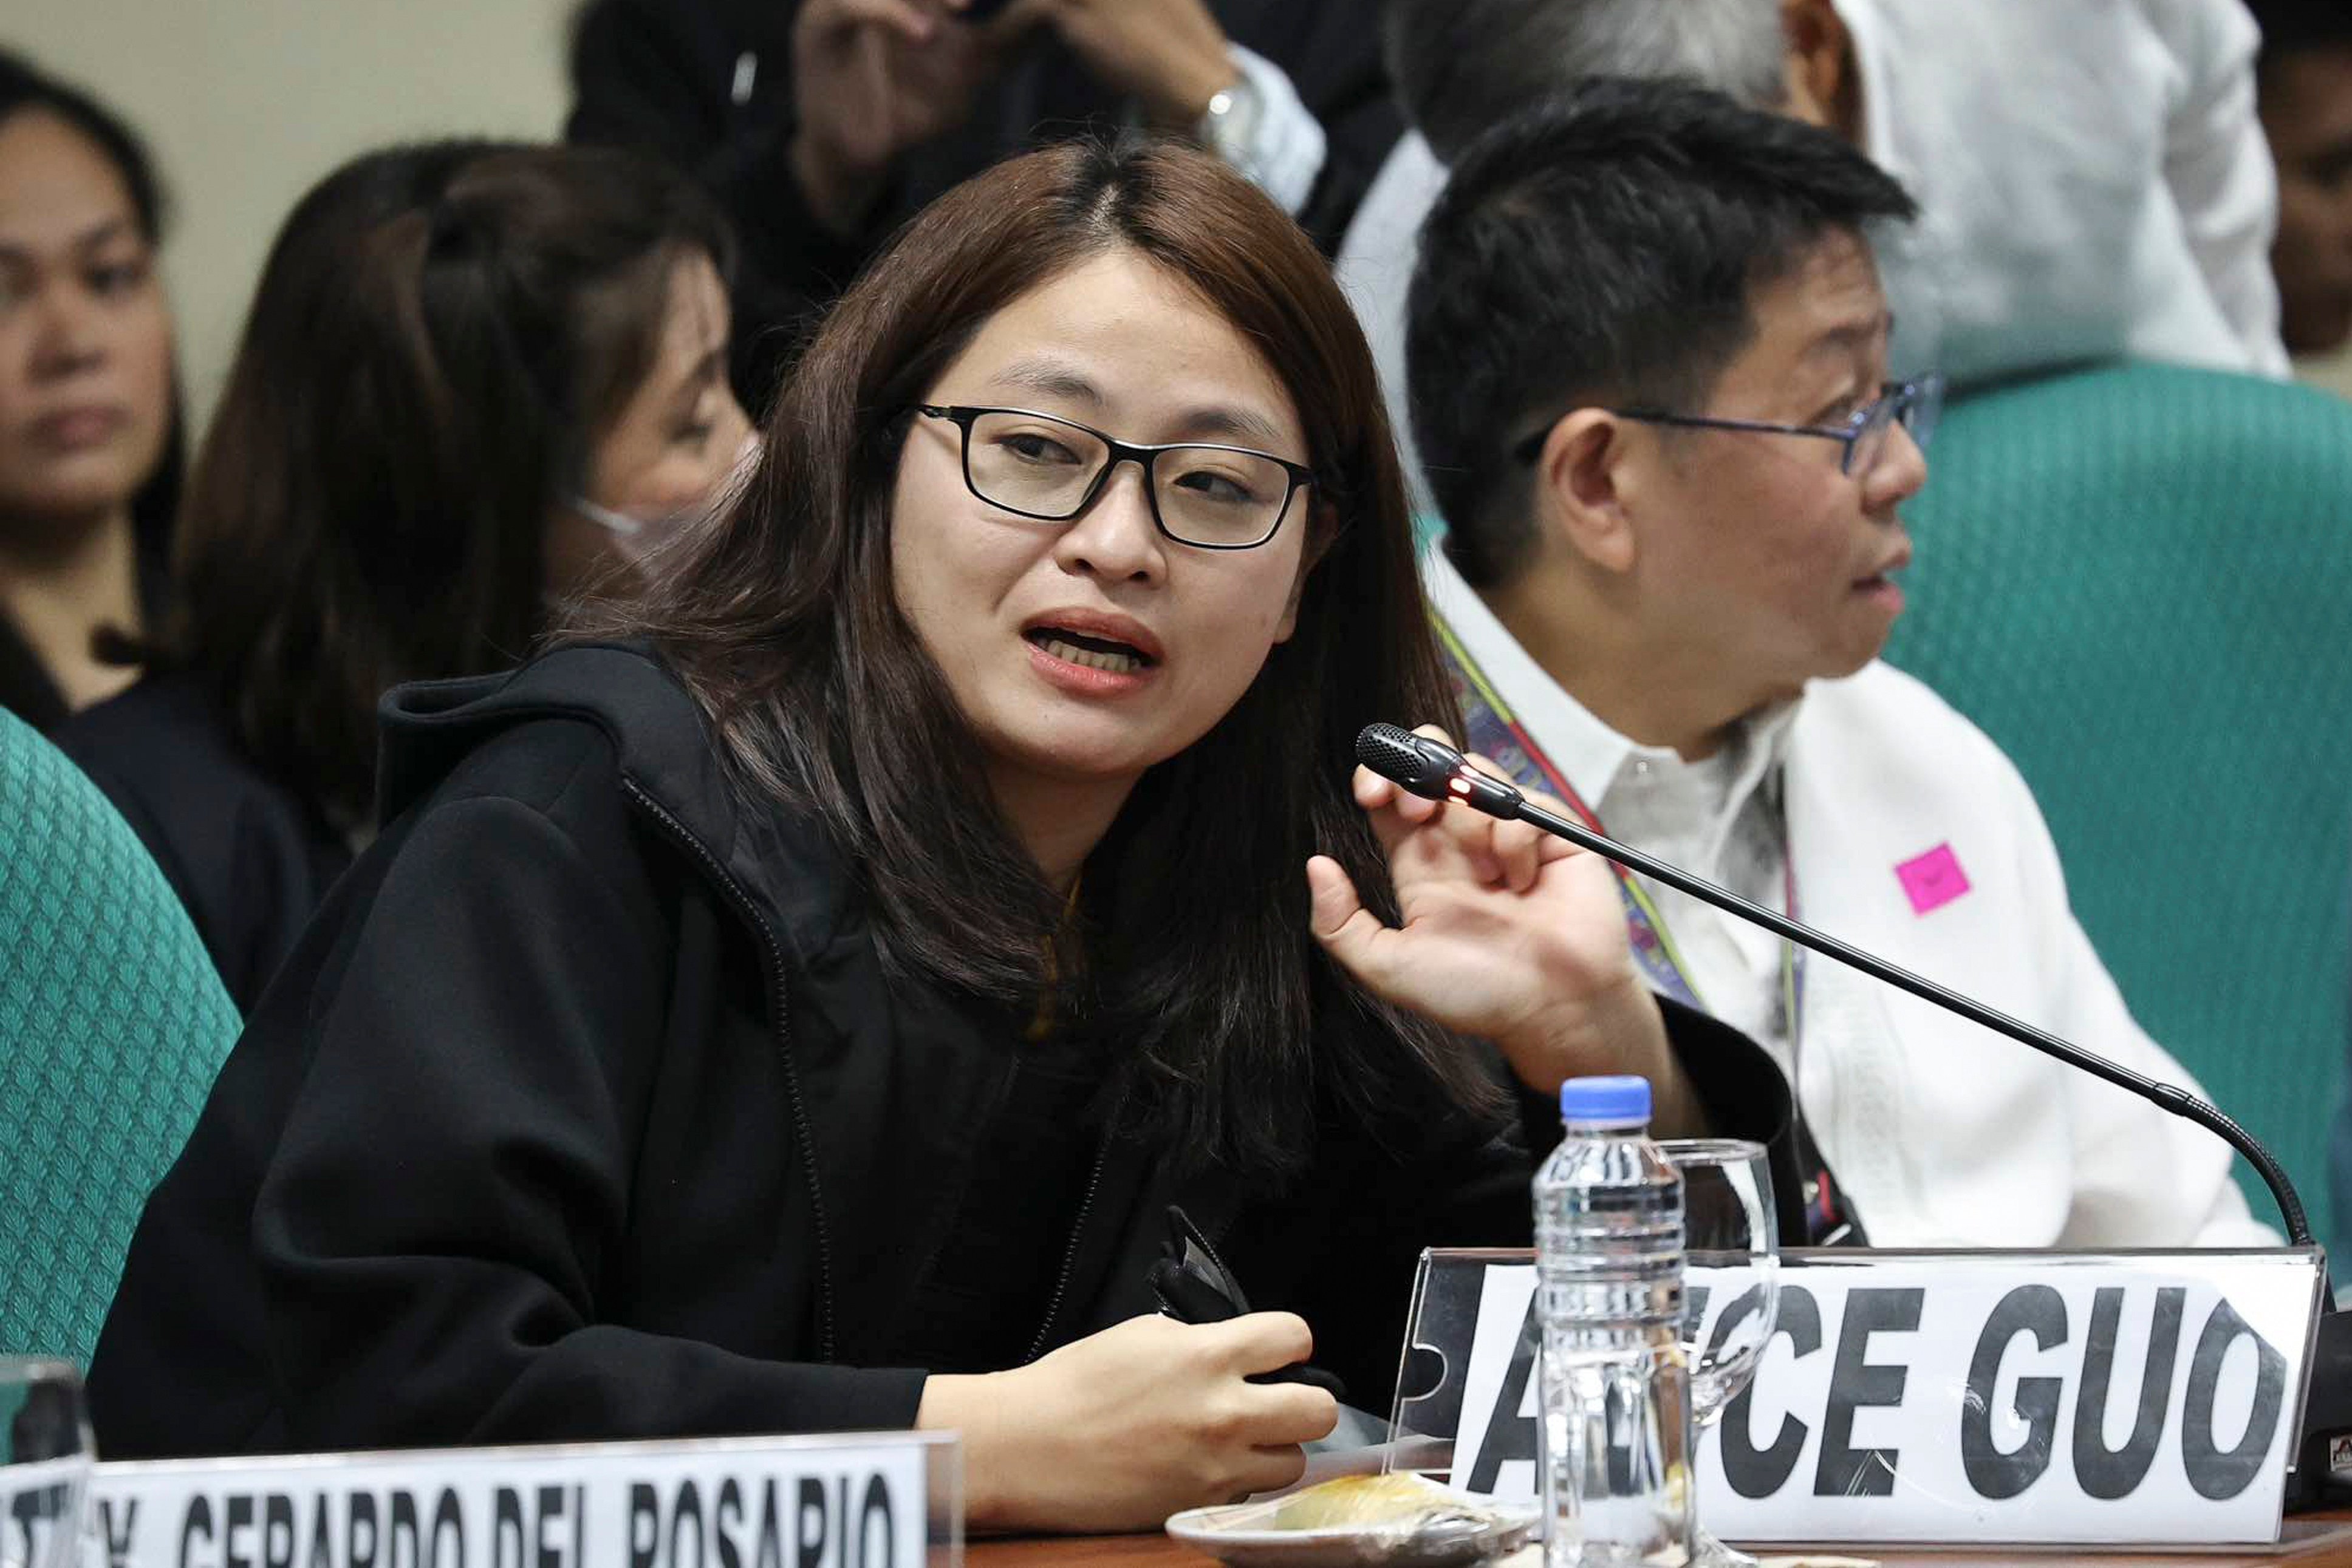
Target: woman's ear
[[1587, 481], [1823, 89], [1322, 533]]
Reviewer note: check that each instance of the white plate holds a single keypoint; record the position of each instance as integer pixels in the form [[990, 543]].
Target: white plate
[[1234, 1532]]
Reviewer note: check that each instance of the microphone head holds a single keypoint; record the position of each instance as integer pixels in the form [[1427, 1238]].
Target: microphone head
[[1434, 770], [1418, 763]]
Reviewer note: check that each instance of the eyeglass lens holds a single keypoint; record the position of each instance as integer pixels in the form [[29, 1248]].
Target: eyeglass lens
[[1913, 406], [1205, 495]]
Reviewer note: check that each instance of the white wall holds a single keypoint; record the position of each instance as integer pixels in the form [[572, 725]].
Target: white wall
[[245, 103]]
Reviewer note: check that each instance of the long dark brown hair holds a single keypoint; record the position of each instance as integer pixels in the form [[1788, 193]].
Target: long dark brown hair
[[439, 335], [1193, 955]]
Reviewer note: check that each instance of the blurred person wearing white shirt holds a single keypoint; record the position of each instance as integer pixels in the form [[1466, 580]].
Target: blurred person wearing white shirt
[[1649, 352], [2092, 177]]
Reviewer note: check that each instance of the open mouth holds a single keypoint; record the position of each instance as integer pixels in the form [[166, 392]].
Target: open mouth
[[1103, 654]]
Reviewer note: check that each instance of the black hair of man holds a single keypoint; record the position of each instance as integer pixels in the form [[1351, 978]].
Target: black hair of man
[[1604, 250], [2294, 26]]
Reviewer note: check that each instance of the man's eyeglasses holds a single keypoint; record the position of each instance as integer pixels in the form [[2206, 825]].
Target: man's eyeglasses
[[1914, 405], [1038, 466]]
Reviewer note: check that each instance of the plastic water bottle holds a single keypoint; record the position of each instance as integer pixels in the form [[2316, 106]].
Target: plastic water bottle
[[1617, 1476]]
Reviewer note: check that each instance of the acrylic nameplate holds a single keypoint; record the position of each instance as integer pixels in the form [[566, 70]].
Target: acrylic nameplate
[[2110, 1398], [889, 1500]]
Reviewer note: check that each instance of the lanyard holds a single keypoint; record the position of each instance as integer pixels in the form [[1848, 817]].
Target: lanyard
[[1494, 732]]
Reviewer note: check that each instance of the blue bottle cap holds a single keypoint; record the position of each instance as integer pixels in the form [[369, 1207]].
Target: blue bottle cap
[[1612, 1101]]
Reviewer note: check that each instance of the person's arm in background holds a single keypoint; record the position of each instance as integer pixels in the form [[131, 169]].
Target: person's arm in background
[[1332, 53], [1308, 118], [790, 118], [2219, 166]]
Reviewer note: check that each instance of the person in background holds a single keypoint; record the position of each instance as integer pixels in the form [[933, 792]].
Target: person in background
[[822, 125], [2305, 83], [2092, 178], [88, 412], [796, 1003], [474, 378], [1648, 357]]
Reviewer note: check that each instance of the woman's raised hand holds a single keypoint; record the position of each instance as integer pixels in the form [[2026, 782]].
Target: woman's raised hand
[[1122, 1428], [1508, 934]]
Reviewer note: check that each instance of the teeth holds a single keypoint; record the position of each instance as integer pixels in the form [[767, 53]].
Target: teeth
[[1071, 654]]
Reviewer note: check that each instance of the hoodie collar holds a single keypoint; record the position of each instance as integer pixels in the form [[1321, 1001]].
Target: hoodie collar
[[667, 754]]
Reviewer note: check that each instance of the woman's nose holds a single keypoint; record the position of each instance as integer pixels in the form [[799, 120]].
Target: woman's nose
[[69, 331], [1116, 536]]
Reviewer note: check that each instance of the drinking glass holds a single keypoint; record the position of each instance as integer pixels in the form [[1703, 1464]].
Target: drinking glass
[[45, 1457], [1728, 1223]]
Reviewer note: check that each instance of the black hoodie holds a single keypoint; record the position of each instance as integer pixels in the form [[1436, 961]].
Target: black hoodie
[[585, 1109]]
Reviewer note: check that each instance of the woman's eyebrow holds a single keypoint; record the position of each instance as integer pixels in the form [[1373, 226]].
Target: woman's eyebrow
[[89, 239], [102, 234], [1051, 377], [1236, 425], [1055, 379], [1216, 421]]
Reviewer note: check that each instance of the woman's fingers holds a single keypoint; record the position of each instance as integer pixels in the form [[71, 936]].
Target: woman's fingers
[[1263, 1342], [1510, 852], [1383, 796], [1272, 1413], [1374, 791], [1359, 940], [1272, 1469], [1515, 846], [1291, 1413]]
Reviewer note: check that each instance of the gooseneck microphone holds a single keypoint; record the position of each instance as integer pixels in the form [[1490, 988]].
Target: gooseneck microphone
[[1435, 771]]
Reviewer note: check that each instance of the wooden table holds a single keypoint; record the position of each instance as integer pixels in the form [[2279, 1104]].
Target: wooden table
[[2327, 1540]]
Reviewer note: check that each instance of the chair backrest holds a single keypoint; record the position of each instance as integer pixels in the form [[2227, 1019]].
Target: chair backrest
[[113, 1025], [2139, 580]]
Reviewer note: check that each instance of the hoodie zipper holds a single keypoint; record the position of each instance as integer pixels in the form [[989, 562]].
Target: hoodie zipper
[[779, 1020], [1070, 1256]]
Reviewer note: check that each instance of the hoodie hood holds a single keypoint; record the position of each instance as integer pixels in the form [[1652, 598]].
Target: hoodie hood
[[668, 759], [655, 724]]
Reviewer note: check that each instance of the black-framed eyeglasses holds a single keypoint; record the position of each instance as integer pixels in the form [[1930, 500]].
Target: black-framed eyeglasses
[[1914, 405], [1043, 466]]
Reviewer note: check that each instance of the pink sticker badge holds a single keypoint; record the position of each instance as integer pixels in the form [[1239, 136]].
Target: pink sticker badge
[[1933, 880]]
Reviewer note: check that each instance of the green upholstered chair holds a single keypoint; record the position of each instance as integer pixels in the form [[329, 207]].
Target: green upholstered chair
[[2139, 580], [113, 1024]]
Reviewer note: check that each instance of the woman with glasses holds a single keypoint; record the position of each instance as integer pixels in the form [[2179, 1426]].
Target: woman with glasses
[[798, 1004]]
